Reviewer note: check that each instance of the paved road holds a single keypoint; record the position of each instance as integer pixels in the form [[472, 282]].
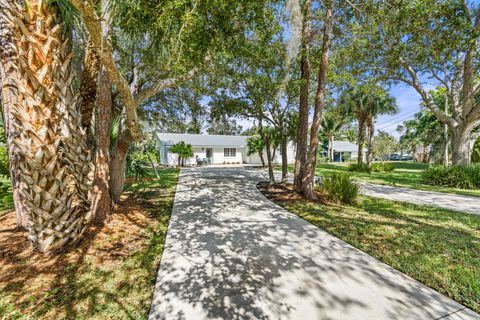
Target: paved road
[[437, 199], [232, 254]]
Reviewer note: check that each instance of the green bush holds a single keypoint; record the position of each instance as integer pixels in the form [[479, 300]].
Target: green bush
[[463, 177], [6, 197], [339, 187], [355, 167], [388, 167], [4, 169]]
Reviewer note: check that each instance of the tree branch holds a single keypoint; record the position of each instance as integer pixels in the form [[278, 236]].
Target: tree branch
[[415, 83], [167, 83], [105, 52]]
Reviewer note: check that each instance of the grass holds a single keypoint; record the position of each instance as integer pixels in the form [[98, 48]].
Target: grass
[[110, 275], [437, 247], [406, 174]]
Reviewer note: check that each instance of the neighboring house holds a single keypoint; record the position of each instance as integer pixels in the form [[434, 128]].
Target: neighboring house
[[343, 150], [213, 149]]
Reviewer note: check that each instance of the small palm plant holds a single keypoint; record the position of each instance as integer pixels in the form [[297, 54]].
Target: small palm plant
[[256, 145], [183, 150]]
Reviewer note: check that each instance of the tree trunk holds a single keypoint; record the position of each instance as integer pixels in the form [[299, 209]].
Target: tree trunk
[[330, 149], [361, 140], [260, 154], [425, 153], [371, 131], [284, 161], [461, 145], [117, 165], [88, 89], [153, 165], [310, 165], [8, 76], [268, 146], [101, 200], [303, 112], [271, 175]]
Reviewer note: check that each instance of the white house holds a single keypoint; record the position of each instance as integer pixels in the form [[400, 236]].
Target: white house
[[343, 150], [214, 149]]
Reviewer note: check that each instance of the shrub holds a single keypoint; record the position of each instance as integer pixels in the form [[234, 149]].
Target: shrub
[[388, 167], [339, 187], [355, 167], [6, 198], [4, 169], [376, 167], [463, 177]]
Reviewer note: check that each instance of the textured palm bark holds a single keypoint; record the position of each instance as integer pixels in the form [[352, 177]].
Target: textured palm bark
[[88, 90], [303, 112], [101, 200], [311, 162], [9, 90], [76, 153], [53, 218]]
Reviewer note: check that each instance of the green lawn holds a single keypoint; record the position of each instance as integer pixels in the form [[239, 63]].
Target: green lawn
[[110, 275], [406, 174], [437, 247]]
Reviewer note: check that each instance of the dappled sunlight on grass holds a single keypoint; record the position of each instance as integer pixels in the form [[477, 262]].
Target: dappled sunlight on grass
[[439, 248], [109, 275]]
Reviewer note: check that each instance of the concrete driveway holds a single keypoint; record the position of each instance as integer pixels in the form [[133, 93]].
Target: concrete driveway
[[232, 254], [443, 200]]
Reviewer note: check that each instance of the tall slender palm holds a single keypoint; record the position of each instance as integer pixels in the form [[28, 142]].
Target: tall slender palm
[[55, 160], [381, 104], [331, 124], [366, 102]]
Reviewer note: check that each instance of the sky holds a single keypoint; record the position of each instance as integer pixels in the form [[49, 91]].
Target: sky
[[408, 102]]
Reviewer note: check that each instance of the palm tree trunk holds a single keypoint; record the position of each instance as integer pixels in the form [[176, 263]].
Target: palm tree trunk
[[76, 153], [88, 89], [371, 131], [303, 112], [54, 219], [9, 90], [361, 139], [310, 164], [330, 149]]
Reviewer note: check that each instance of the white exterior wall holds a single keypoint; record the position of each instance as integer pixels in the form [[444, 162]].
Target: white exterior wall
[[171, 159], [219, 158], [255, 158]]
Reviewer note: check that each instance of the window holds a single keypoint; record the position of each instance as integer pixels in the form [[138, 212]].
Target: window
[[229, 152]]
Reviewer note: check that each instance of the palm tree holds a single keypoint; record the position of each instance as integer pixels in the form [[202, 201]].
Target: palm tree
[[256, 144], [54, 156], [183, 150], [381, 104], [366, 102], [331, 124]]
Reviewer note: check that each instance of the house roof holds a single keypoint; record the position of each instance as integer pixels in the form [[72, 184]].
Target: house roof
[[211, 140], [344, 146]]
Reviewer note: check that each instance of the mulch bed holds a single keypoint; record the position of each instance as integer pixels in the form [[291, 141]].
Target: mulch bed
[[284, 194], [25, 273]]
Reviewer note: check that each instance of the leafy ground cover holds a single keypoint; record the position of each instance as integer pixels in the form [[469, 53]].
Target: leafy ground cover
[[406, 174], [110, 275], [439, 248]]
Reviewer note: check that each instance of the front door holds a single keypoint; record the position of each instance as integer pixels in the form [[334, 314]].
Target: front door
[[209, 155]]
